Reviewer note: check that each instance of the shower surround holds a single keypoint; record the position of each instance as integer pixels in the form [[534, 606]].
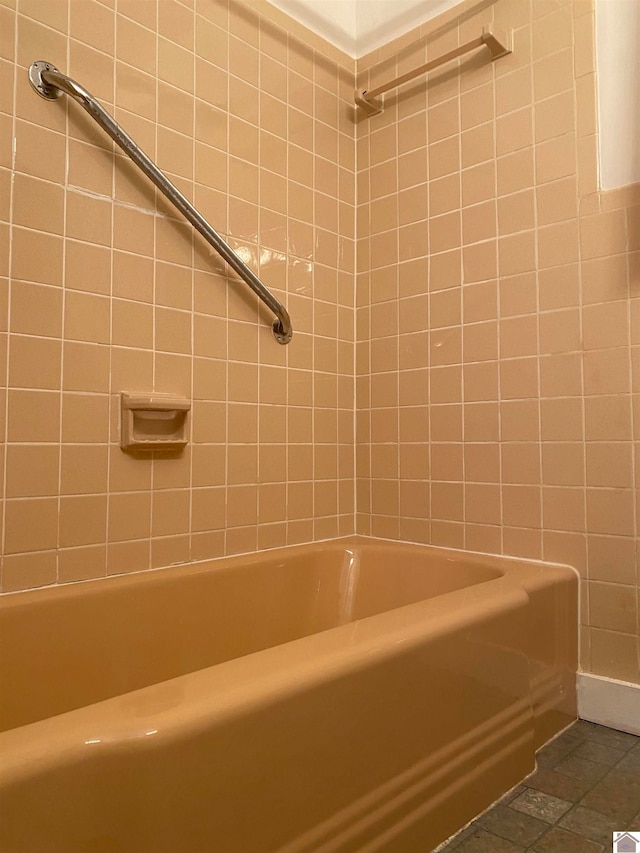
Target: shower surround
[[495, 295]]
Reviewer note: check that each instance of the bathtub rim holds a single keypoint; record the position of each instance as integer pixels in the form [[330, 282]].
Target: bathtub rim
[[256, 557]]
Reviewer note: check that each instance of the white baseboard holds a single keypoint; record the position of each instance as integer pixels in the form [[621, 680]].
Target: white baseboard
[[609, 702]]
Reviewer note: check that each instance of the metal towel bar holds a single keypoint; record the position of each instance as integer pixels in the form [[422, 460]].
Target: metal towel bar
[[51, 83]]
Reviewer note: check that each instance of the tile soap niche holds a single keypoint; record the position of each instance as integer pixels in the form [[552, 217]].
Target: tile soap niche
[[153, 421]]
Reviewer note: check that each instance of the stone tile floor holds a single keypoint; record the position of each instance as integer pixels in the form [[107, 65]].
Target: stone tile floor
[[585, 787]]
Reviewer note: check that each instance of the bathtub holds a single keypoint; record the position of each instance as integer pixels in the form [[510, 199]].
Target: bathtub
[[351, 695]]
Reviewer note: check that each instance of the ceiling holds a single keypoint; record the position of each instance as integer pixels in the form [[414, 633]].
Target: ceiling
[[359, 26]]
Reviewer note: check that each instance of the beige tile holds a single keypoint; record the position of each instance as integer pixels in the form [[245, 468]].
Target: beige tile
[[603, 234], [125, 557], [480, 341], [560, 331], [561, 419], [563, 464], [480, 382], [34, 362], [614, 654], [29, 142], [24, 571], [444, 157], [479, 222], [553, 32], [481, 422], [559, 287], [606, 371], [516, 212], [520, 542], [36, 256], [612, 559], [36, 310], [514, 132], [482, 463], [135, 44], [519, 378], [444, 423], [447, 501], [521, 506], [85, 367], [34, 416], [517, 295], [444, 119], [609, 464], [447, 462], [31, 525], [87, 318], [477, 144], [518, 336], [520, 463], [83, 469], [515, 171], [555, 116], [516, 253], [175, 65], [557, 201], [83, 520], [87, 267], [242, 508], [32, 470], [88, 219], [480, 302], [553, 74], [610, 511], [129, 516], [482, 503], [608, 418], [85, 418], [513, 90], [479, 261], [556, 158], [170, 512], [478, 183], [558, 244], [604, 279]]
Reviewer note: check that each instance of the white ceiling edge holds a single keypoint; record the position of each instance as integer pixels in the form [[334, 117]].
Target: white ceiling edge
[[359, 26]]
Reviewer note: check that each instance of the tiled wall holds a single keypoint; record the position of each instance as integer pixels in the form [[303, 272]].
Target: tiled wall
[[105, 289], [497, 321], [497, 297]]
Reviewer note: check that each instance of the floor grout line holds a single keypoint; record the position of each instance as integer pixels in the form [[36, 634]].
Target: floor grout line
[[573, 825]]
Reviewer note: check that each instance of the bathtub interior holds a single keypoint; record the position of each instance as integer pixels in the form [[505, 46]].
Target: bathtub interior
[[72, 646]]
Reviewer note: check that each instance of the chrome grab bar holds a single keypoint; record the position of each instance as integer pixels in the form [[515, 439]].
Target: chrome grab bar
[[51, 83]]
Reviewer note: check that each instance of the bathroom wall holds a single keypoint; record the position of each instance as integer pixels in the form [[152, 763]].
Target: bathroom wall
[[105, 289], [497, 320]]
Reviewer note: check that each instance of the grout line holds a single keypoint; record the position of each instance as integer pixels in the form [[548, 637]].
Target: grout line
[[537, 296], [5, 451], [63, 309], [191, 447]]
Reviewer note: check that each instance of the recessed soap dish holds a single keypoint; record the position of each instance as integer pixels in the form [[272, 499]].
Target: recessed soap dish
[[153, 421]]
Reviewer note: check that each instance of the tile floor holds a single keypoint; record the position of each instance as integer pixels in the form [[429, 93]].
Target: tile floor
[[586, 786]]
